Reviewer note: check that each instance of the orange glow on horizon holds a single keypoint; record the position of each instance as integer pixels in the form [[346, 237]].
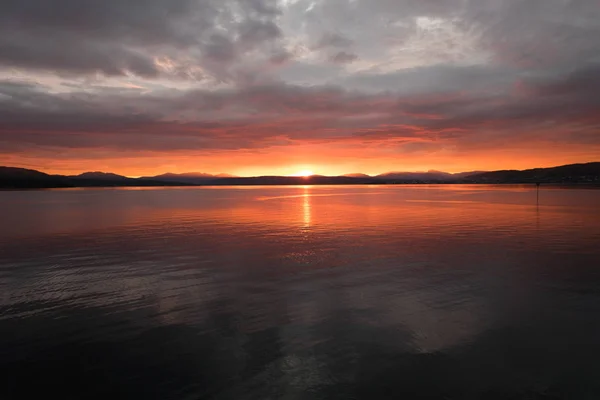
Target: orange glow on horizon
[[299, 160], [304, 173]]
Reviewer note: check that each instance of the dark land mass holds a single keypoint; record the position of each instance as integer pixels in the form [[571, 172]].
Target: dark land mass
[[573, 173], [192, 178], [20, 178], [298, 180], [435, 176]]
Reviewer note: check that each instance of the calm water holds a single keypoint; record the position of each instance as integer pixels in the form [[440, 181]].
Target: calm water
[[403, 292]]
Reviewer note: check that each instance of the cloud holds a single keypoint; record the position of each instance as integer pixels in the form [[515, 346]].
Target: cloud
[[333, 40], [343, 57], [229, 75], [116, 38], [267, 115]]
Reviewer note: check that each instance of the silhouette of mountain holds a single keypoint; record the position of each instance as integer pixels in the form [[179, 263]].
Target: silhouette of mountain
[[573, 173], [416, 176], [99, 175], [20, 178], [431, 176], [193, 178], [297, 180], [467, 174]]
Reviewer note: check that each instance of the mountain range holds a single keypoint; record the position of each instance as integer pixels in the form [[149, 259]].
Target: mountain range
[[192, 178], [21, 178]]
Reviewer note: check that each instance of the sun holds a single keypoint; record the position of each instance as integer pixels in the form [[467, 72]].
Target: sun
[[304, 173]]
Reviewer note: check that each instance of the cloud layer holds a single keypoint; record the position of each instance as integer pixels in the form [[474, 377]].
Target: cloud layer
[[401, 84]]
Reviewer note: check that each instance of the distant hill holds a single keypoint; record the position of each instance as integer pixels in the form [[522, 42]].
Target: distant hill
[[20, 178], [192, 178], [573, 173], [416, 176], [430, 176], [99, 175], [297, 180], [460, 175]]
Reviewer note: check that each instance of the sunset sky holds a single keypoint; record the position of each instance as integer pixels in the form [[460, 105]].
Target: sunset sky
[[255, 87]]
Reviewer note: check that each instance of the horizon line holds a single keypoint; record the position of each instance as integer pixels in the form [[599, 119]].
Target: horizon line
[[216, 176]]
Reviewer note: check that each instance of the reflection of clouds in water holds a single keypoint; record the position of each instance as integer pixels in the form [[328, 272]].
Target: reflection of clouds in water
[[436, 329], [350, 358], [436, 315], [272, 299]]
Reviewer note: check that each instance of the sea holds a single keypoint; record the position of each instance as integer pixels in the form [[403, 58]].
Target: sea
[[301, 292]]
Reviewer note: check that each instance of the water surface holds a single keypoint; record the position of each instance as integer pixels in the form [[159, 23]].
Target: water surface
[[342, 292]]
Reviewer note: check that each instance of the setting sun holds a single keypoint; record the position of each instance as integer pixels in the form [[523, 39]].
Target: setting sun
[[305, 173]]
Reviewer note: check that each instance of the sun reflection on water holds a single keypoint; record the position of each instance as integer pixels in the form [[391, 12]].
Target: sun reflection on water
[[306, 211]]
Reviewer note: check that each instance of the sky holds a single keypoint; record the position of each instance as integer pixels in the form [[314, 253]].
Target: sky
[[255, 87]]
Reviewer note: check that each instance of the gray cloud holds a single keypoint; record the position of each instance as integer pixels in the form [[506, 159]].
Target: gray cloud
[[63, 54], [333, 40], [257, 116], [465, 71], [113, 37], [343, 57]]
